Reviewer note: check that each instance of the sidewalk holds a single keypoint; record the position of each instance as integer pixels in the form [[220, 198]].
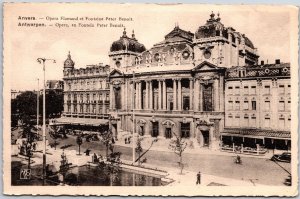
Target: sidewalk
[[173, 176], [162, 146]]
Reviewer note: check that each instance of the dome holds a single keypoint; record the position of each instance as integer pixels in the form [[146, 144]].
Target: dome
[[69, 63], [127, 43], [212, 28]]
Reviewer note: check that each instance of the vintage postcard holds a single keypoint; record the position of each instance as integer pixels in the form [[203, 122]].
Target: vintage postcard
[[150, 100]]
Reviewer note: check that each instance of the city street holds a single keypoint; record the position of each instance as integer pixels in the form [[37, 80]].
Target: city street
[[253, 169]]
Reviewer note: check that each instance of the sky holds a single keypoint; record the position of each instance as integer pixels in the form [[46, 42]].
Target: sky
[[267, 27]]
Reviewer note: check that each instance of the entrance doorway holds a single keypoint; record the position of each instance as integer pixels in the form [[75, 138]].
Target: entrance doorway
[[168, 133], [205, 138], [154, 129]]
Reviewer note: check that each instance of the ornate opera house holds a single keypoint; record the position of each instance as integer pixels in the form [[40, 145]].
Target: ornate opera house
[[205, 86]]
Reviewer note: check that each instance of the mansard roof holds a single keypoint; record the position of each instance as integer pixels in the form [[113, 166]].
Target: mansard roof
[[259, 71]]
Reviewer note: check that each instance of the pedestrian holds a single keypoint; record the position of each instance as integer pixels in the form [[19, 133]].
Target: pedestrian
[[198, 178]]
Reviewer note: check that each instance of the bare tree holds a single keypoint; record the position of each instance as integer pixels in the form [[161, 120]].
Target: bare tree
[[178, 145], [139, 149], [108, 141], [79, 142]]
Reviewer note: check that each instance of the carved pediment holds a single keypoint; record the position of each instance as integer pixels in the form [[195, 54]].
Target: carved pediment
[[168, 123], [204, 66], [115, 73]]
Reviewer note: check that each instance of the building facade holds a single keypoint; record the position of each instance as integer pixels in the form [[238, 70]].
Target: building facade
[[202, 86]]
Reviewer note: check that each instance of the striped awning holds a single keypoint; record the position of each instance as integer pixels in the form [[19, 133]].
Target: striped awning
[[257, 133], [81, 121]]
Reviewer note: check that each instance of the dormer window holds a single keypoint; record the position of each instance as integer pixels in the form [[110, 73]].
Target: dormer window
[[118, 64]]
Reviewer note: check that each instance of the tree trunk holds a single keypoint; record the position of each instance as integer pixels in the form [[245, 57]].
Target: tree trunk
[[28, 162], [180, 164], [79, 149], [54, 144]]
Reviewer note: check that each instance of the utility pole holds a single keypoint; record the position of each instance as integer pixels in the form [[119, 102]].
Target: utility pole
[[42, 61]]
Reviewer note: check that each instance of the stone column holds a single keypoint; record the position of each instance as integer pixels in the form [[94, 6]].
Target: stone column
[[179, 95], [140, 95], [200, 97], [104, 107], [97, 104], [123, 96], [216, 95], [126, 95], [151, 95], [196, 95], [111, 97], [135, 93], [147, 96], [164, 95], [222, 97], [159, 95], [174, 95], [191, 94]]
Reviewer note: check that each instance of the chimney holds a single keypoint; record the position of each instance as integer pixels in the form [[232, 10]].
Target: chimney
[[277, 61], [262, 62]]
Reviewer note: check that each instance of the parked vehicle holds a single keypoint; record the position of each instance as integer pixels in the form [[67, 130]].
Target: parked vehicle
[[284, 157]]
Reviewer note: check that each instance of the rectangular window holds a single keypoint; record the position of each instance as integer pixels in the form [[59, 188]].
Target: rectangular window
[[100, 84], [267, 89], [230, 90], [288, 124], [230, 105], [207, 98], [289, 89], [107, 85], [281, 123], [229, 122], [237, 90], [100, 109], [246, 121], [186, 103], [252, 121], [267, 105], [289, 105], [185, 130], [75, 108], [107, 97], [236, 121], [267, 122], [246, 90], [100, 97], [281, 106], [69, 108], [253, 90], [87, 108], [281, 89], [246, 105], [237, 105], [81, 109], [253, 103], [155, 129]]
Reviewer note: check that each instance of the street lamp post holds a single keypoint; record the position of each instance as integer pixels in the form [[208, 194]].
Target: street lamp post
[[42, 61]]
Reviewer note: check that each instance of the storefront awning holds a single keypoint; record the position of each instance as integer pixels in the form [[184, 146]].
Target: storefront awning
[[257, 133], [81, 121]]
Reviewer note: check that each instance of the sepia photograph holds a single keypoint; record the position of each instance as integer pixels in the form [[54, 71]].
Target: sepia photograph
[[150, 99]]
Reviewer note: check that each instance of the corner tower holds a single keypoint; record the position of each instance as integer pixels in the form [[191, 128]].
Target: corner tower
[[223, 46], [125, 51]]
